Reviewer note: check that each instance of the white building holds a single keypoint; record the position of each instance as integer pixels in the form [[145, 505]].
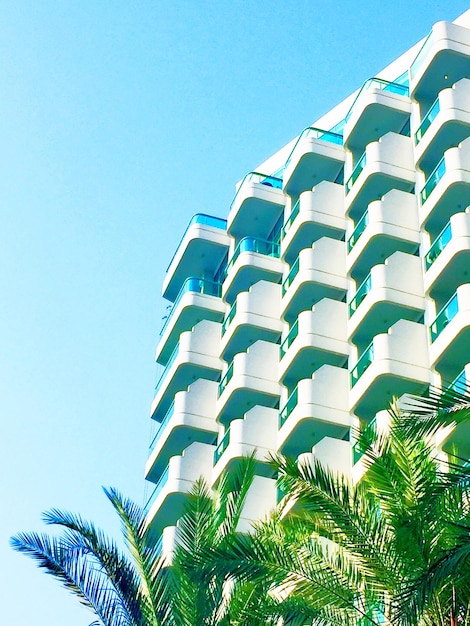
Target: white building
[[341, 278]]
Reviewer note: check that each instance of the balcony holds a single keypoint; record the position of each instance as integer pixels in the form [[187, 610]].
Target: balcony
[[316, 338], [388, 225], [257, 205], [334, 454], [200, 251], [260, 501], [457, 439], [443, 59], [392, 291], [198, 299], [450, 334], [255, 314], [251, 379], [381, 106], [255, 433], [196, 356], [396, 362], [191, 417], [253, 260], [317, 213], [447, 261], [317, 155], [167, 501], [386, 164], [317, 408], [447, 188], [445, 125], [319, 272]]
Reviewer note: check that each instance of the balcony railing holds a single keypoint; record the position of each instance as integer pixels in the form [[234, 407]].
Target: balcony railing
[[316, 133], [421, 55], [200, 218], [357, 232], [157, 490], [427, 120], [288, 407], [257, 177], [363, 363], [222, 445], [226, 379], [294, 270], [359, 296], [228, 320], [170, 362], [161, 426], [293, 333], [379, 83], [249, 244], [290, 220], [360, 165], [432, 180], [444, 317], [438, 246], [459, 384], [369, 434], [196, 285]]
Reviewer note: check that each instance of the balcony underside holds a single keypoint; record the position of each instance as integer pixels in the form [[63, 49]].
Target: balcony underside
[[303, 429], [373, 317], [309, 358], [451, 195], [372, 185], [383, 386], [315, 161], [379, 114], [181, 431]]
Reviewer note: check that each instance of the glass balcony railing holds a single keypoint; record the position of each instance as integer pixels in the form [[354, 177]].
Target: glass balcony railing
[[444, 317], [249, 244], [459, 384], [316, 133], [379, 83], [170, 362], [159, 546], [226, 379], [222, 445], [423, 51], [293, 333], [157, 490], [427, 120], [438, 246], [359, 296], [195, 285], [365, 360], [288, 407], [357, 232], [262, 179], [161, 425], [290, 220], [228, 320], [370, 433], [432, 180], [200, 218], [294, 270], [360, 165]]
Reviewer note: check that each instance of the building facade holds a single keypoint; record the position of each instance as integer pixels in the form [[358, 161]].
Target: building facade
[[339, 280]]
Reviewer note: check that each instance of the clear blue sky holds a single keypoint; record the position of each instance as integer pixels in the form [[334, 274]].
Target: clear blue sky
[[118, 121]]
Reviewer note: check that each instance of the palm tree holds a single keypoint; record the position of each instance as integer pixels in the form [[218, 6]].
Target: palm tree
[[381, 550], [143, 588], [121, 589], [204, 595]]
